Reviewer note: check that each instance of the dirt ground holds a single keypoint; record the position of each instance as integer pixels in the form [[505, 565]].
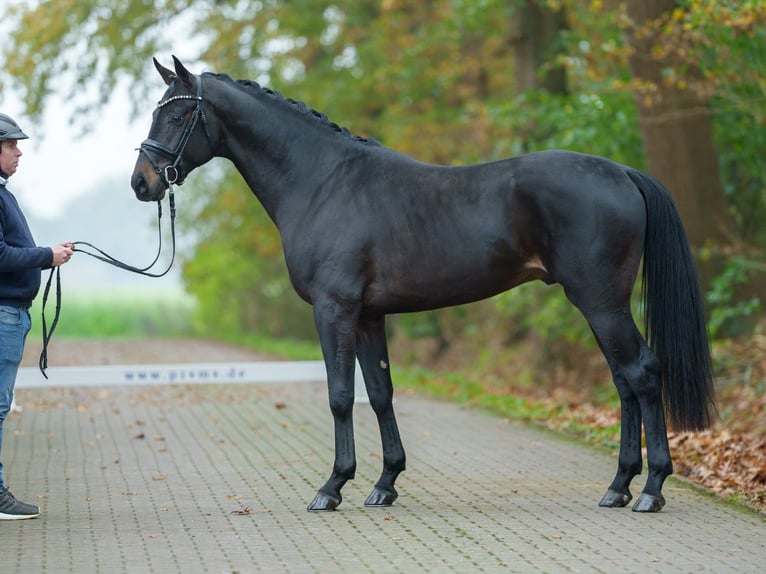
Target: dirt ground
[[68, 352]]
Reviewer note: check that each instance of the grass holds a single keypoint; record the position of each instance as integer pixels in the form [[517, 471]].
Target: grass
[[505, 403], [292, 349], [159, 312], [118, 313]]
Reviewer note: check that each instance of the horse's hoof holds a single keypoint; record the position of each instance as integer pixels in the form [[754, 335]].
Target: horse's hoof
[[615, 499], [323, 503], [648, 503], [380, 497]]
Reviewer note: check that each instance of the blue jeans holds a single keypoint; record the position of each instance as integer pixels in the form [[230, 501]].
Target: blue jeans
[[14, 326]]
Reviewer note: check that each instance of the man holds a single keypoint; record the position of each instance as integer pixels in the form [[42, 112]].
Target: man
[[21, 263]]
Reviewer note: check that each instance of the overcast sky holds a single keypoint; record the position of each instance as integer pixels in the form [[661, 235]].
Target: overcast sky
[[58, 165]]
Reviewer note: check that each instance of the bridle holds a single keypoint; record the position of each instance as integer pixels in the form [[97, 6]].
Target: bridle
[[176, 173], [172, 174]]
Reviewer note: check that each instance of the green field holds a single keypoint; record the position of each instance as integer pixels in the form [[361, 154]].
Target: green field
[[135, 313], [121, 312]]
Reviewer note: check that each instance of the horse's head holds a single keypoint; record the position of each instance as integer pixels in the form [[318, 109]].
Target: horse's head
[[178, 140]]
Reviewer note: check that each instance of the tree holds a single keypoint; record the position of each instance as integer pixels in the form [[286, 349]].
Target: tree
[[535, 30], [677, 127]]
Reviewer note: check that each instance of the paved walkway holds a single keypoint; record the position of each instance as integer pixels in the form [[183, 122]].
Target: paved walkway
[[216, 478]]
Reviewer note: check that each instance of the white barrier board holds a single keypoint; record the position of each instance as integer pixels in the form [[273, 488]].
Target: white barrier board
[[183, 373]]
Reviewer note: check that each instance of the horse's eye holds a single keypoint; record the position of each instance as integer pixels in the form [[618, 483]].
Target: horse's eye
[[175, 118]]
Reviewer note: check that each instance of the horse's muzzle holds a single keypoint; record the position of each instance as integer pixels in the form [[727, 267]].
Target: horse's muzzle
[[144, 190]]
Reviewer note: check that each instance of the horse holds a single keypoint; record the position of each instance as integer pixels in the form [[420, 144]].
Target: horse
[[368, 232]]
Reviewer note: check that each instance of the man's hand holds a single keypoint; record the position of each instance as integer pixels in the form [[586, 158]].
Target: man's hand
[[61, 253]]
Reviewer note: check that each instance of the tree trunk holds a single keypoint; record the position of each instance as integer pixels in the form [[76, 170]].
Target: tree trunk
[[534, 32], [676, 124]]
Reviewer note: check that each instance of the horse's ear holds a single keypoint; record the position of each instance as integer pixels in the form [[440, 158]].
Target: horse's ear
[[183, 74], [167, 75]]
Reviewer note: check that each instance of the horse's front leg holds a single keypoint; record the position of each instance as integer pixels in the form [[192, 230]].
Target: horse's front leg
[[372, 351], [336, 326]]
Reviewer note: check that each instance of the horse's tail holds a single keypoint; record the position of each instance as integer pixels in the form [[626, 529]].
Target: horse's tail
[[674, 315]]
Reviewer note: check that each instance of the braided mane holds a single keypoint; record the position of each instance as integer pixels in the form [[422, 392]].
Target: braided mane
[[254, 88]]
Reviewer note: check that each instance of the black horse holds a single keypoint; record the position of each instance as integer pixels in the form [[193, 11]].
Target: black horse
[[367, 231]]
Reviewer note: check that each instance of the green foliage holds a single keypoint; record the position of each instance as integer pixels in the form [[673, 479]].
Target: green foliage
[[741, 140], [726, 309], [546, 313], [421, 325], [65, 45], [727, 39], [584, 121], [236, 272]]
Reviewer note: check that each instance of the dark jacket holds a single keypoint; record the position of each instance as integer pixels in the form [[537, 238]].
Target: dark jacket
[[21, 261]]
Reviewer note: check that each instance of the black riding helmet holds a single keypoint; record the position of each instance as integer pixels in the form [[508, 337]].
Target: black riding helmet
[[10, 130]]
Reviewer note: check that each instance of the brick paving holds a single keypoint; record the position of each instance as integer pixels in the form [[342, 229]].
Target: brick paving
[[216, 479]]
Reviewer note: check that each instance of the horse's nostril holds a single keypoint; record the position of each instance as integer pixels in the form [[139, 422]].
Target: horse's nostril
[[140, 187]]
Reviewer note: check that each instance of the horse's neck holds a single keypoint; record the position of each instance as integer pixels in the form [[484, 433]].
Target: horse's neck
[[278, 155]]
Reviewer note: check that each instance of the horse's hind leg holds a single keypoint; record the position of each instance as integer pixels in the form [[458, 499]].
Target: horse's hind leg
[[372, 352], [636, 374], [629, 463]]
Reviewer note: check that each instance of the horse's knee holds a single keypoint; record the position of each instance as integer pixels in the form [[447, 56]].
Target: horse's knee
[[341, 403]]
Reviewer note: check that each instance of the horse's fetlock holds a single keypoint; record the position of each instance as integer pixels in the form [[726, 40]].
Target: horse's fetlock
[[344, 473]]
